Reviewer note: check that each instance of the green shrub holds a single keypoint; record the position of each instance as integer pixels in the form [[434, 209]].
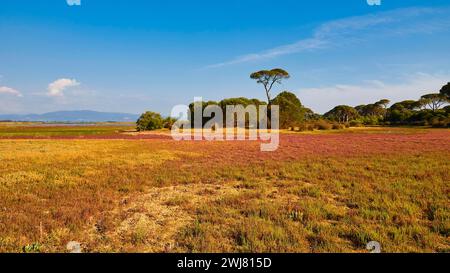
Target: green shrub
[[168, 122], [149, 121]]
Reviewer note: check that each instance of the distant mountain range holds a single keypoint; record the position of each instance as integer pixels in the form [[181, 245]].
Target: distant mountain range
[[73, 116]]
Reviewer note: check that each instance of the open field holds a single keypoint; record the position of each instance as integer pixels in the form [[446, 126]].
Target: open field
[[319, 192], [41, 130]]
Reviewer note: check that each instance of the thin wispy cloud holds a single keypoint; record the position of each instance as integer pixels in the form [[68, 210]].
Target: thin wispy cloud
[[56, 88], [340, 32], [10, 91]]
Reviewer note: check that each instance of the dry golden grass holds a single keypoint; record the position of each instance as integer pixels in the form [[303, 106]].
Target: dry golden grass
[[51, 189], [317, 193]]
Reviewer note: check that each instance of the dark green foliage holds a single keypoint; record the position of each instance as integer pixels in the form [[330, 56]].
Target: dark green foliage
[[204, 105], [223, 105], [371, 110], [423, 112], [372, 114], [243, 102], [310, 115], [292, 111], [420, 118], [149, 121], [401, 111], [240, 101], [433, 101], [405, 105], [446, 90], [342, 114], [356, 123]]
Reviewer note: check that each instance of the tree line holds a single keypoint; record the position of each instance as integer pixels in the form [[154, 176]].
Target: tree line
[[429, 110]]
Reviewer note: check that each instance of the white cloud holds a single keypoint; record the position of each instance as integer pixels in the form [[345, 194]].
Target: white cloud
[[73, 2], [300, 46], [56, 88], [323, 99], [347, 30], [10, 91]]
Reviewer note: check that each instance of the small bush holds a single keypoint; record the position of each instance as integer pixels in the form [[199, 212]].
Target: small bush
[[168, 122], [149, 121], [301, 127], [337, 126], [323, 125]]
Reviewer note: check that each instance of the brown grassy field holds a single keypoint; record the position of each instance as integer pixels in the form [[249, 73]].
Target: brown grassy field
[[319, 192]]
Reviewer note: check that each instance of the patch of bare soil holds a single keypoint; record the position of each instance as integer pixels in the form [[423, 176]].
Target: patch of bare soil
[[151, 221]]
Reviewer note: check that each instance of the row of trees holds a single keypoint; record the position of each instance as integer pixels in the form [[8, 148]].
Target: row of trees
[[428, 110], [291, 109], [223, 104]]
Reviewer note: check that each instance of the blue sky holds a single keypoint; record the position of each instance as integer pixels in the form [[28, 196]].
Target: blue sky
[[132, 56]]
